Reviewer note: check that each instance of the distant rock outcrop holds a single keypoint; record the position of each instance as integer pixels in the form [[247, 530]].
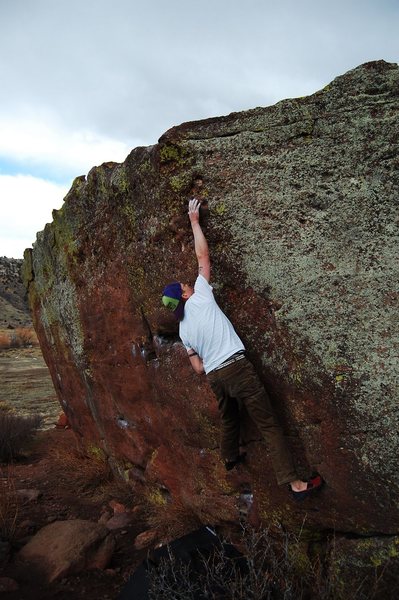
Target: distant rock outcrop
[[14, 309], [301, 212]]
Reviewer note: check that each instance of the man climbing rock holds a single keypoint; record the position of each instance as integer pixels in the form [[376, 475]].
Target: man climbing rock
[[214, 348]]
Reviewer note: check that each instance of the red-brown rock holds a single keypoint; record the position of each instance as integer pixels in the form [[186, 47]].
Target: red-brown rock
[[119, 521], [289, 192], [118, 507], [62, 422], [69, 547], [145, 539]]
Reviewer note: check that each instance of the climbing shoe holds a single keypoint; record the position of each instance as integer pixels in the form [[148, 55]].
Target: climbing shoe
[[314, 484], [230, 464]]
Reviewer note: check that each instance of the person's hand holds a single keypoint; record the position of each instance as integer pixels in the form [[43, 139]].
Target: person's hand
[[193, 210]]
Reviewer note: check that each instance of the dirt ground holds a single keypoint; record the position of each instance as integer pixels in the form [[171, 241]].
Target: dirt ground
[[25, 385]]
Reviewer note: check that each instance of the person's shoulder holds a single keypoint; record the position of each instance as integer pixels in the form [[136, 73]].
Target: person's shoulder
[[201, 284]]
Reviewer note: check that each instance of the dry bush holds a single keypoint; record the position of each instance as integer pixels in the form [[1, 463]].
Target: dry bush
[[267, 569], [170, 518], [16, 432], [274, 565], [174, 517], [8, 505], [23, 337], [15, 341], [26, 336], [87, 475], [120, 490], [174, 580], [5, 341]]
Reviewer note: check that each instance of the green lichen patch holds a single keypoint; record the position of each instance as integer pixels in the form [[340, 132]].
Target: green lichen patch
[[220, 208], [156, 497], [120, 179], [129, 212], [180, 183], [96, 452], [145, 167], [170, 153]]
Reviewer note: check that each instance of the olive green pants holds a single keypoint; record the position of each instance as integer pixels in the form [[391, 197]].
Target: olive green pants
[[237, 383]]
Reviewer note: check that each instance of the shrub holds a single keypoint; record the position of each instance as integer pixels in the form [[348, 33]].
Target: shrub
[[8, 506], [15, 433], [5, 340], [171, 519], [267, 569], [87, 474], [23, 337], [26, 336], [271, 564], [274, 565], [14, 342]]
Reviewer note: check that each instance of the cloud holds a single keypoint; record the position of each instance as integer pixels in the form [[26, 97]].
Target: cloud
[[25, 207], [130, 70], [85, 82], [43, 142]]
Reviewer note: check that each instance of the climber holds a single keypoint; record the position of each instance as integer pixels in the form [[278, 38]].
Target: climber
[[214, 348]]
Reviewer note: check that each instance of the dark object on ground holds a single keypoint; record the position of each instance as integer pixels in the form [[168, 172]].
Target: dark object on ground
[[230, 464], [189, 551]]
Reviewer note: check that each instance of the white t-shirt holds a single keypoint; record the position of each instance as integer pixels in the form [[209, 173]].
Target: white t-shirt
[[206, 329]]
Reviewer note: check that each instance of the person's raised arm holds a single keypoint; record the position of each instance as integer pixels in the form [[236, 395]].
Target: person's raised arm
[[200, 243]]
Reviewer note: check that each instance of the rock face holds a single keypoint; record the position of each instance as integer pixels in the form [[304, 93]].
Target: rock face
[[14, 310], [300, 208]]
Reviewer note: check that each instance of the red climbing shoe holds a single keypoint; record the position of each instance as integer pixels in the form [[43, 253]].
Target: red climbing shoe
[[314, 484]]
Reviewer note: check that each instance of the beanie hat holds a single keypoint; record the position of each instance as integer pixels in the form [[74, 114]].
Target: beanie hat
[[172, 299]]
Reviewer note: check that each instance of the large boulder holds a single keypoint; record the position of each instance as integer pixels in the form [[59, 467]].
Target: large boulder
[[68, 547], [300, 207]]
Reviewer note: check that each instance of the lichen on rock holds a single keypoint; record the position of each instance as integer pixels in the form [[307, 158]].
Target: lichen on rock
[[301, 213]]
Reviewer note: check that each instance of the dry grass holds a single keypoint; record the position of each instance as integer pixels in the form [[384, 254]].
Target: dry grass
[[172, 520], [174, 517], [88, 475], [23, 337], [120, 490], [9, 506], [80, 473]]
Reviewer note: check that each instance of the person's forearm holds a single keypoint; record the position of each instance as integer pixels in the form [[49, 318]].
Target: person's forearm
[[197, 365], [200, 243]]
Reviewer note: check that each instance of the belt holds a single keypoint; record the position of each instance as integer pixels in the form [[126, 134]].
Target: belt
[[234, 358]]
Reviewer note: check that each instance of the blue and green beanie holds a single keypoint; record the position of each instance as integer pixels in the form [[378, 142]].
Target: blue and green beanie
[[172, 299]]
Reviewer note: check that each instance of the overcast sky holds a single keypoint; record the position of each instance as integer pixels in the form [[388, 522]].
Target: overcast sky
[[85, 81]]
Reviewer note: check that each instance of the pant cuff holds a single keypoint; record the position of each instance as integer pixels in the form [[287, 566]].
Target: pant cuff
[[288, 479]]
